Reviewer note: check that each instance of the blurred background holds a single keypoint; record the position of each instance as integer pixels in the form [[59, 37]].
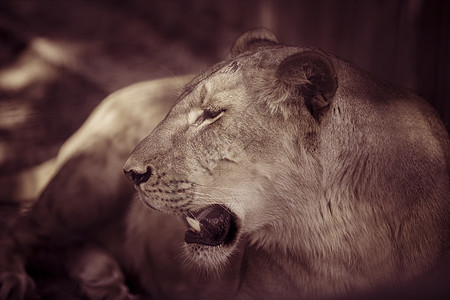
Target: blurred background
[[59, 59]]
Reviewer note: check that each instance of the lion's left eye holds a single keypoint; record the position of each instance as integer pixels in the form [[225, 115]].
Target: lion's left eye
[[212, 114], [209, 116]]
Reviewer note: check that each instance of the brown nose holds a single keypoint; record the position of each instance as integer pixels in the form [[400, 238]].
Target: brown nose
[[139, 177]]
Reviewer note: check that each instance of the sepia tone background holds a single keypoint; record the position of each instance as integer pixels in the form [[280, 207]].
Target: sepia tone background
[[59, 59]]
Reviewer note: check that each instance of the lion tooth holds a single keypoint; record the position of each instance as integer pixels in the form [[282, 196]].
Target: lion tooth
[[193, 223]]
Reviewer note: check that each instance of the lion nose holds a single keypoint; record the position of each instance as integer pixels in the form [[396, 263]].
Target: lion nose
[[138, 177]]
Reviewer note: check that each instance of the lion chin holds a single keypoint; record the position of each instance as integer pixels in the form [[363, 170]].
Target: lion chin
[[206, 260]]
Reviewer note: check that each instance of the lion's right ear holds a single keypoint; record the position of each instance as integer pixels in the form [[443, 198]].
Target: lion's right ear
[[252, 40], [309, 76]]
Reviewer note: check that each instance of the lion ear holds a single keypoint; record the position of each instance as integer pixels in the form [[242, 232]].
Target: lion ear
[[311, 76], [252, 40]]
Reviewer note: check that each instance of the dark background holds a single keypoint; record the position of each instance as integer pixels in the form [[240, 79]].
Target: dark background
[[58, 59]]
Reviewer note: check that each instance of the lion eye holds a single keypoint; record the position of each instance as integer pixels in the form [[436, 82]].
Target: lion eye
[[209, 116]]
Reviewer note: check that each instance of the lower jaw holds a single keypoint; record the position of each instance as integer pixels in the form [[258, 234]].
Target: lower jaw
[[208, 259]]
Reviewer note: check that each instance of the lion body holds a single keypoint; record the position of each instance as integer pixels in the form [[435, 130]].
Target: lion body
[[314, 179]]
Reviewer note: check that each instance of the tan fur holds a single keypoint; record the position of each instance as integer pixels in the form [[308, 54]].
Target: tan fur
[[352, 202], [336, 191]]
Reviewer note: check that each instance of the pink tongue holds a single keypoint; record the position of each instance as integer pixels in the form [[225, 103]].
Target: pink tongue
[[214, 227]]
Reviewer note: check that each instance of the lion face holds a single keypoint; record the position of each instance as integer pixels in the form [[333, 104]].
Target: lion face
[[201, 163], [218, 156]]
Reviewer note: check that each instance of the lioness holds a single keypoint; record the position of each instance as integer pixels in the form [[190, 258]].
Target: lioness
[[281, 173]]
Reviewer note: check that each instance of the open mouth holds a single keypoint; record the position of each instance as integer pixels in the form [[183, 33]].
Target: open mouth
[[211, 226]]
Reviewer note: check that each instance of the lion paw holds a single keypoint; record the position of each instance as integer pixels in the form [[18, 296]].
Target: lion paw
[[98, 274], [106, 290], [15, 285]]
